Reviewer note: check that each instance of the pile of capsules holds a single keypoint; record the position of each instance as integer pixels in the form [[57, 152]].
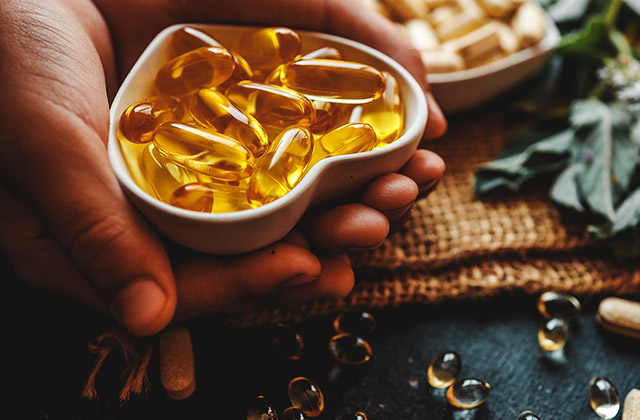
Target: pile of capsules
[[454, 35], [236, 127]]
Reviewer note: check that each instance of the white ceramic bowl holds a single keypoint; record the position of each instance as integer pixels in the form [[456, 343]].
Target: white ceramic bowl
[[331, 178], [462, 90]]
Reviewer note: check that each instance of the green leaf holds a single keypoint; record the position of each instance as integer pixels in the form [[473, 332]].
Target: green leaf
[[624, 233], [568, 10], [564, 190], [591, 42]]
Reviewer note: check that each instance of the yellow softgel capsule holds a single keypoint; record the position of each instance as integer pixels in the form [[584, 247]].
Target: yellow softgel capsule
[[204, 151], [444, 369], [273, 106], [196, 69], [324, 52], [350, 349], [267, 48], [196, 196], [330, 115], [333, 80], [468, 393], [162, 175], [350, 138], [213, 109], [558, 305], [139, 120], [553, 334], [385, 114], [281, 167]]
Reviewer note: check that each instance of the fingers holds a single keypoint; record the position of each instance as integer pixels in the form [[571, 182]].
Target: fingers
[[425, 168]]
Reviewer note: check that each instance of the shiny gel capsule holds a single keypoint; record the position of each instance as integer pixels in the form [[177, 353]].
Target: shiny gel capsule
[[604, 397], [333, 80], [558, 305], [204, 151], [528, 415], [196, 69], [324, 52], [385, 114], [305, 395], [282, 166], [468, 393], [162, 175], [293, 413], [361, 323], [261, 409], [350, 349], [211, 108], [139, 120], [267, 48], [196, 196], [553, 334], [444, 369], [286, 341], [272, 105], [349, 138]]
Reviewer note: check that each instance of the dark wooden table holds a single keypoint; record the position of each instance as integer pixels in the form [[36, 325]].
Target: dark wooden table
[[46, 361]]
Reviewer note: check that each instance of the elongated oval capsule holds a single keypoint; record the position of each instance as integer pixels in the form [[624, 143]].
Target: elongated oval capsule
[[324, 52], [604, 397], [468, 392], [306, 395], [267, 48], [558, 305], [444, 369], [204, 151], [350, 138], [330, 115], [272, 105], [211, 108], [163, 175], [282, 166], [139, 120], [385, 114], [196, 69], [261, 409], [333, 80]]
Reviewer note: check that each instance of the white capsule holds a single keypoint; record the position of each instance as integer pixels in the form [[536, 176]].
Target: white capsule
[[498, 8], [442, 61], [407, 9], [421, 34], [528, 23], [476, 44]]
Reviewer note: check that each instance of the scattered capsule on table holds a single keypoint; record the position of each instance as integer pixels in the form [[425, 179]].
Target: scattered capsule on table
[[306, 396], [211, 108], [553, 334], [350, 349], [196, 69], [360, 323], [139, 120], [267, 48], [272, 105], [604, 397], [528, 415], [203, 151], [333, 80], [444, 369], [282, 166], [468, 392], [260, 409], [163, 176], [293, 413], [356, 416], [385, 114], [558, 305], [286, 341], [350, 138]]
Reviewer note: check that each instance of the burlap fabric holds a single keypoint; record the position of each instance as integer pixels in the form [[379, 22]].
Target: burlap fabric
[[460, 246]]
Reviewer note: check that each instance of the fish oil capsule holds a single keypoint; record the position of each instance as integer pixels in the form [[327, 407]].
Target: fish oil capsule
[[356, 322], [306, 396], [260, 409], [282, 166], [444, 369], [211, 108], [267, 48], [553, 335], [273, 106], [528, 415], [356, 416], [196, 196], [188, 38], [286, 341], [196, 69], [558, 305], [204, 151], [293, 413], [350, 349], [468, 393], [604, 397], [333, 80], [329, 115], [324, 52], [350, 138], [139, 120], [385, 114], [163, 176]]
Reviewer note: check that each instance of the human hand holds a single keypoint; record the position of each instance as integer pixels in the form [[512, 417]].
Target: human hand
[[66, 225]]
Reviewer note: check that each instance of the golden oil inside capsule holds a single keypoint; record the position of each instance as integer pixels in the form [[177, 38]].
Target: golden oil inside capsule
[[325, 52], [139, 120], [360, 323], [187, 39], [385, 114], [528, 415], [293, 413], [350, 138], [204, 151], [162, 175], [468, 393], [272, 105], [444, 369], [281, 167], [305, 395], [558, 305], [196, 69], [267, 48], [196, 196], [333, 80], [604, 397], [287, 342], [553, 335], [329, 115], [228, 196], [211, 108], [350, 349], [261, 409]]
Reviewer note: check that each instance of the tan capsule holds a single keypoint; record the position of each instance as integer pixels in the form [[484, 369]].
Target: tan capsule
[[604, 397], [528, 23], [631, 410], [442, 13], [177, 367], [509, 41], [306, 396], [204, 151], [195, 196], [196, 69], [620, 316], [459, 24], [139, 120], [421, 34], [476, 44], [498, 8], [350, 138], [442, 61], [267, 48], [162, 175], [407, 9]]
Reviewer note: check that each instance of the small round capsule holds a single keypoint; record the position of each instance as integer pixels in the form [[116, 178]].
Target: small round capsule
[[360, 323], [200, 68], [293, 413], [260, 409], [196, 196], [286, 341], [350, 138], [306, 396], [528, 415], [350, 349], [553, 334], [468, 393], [558, 305], [139, 120], [267, 48], [444, 369], [604, 397]]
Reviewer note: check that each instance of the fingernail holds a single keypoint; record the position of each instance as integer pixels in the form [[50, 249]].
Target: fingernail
[[298, 280], [138, 304]]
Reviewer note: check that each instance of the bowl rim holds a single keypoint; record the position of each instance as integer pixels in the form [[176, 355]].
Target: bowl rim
[[413, 129]]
